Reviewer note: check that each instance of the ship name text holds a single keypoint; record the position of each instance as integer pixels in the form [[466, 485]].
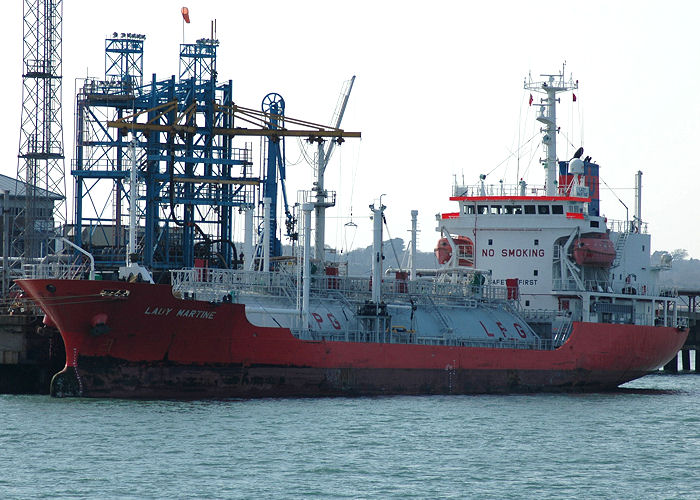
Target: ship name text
[[181, 313]]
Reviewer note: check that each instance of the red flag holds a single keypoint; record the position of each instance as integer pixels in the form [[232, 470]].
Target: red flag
[[574, 96], [530, 99], [186, 14]]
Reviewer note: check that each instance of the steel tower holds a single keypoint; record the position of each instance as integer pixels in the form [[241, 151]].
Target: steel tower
[[40, 169], [102, 160], [124, 61]]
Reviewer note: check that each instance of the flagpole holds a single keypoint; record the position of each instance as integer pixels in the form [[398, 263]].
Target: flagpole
[[185, 19]]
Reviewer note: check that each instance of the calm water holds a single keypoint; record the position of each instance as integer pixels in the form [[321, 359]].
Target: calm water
[[641, 443]]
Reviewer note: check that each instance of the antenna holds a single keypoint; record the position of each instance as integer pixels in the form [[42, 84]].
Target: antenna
[[550, 86]]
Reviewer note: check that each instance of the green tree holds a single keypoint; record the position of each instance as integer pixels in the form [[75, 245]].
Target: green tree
[[679, 254]]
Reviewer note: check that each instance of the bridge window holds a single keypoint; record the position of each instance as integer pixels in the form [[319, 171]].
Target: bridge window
[[469, 209], [529, 209], [543, 209], [482, 209], [495, 209], [557, 209]]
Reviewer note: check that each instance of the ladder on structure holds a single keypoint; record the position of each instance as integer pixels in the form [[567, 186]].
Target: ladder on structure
[[446, 328], [563, 331], [619, 248]]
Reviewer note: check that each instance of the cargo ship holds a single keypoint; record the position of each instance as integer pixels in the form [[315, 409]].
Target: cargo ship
[[534, 290]]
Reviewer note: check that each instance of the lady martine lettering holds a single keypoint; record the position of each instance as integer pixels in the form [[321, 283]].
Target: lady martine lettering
[[182, 313]]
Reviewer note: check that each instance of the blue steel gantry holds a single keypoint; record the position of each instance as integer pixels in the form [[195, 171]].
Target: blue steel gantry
[[273, 105], [190, 178], [190, 175]]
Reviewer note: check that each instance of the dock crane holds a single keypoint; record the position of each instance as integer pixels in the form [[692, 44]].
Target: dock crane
[[176, 121], [323, 157], [260, 120]]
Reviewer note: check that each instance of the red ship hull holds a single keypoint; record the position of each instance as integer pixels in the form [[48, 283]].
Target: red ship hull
[[149, 344]]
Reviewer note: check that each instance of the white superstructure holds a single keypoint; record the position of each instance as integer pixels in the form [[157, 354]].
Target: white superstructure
[[565, 256]]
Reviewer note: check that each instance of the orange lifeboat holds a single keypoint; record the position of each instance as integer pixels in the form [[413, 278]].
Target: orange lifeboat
[[594, 251], [465, 251]]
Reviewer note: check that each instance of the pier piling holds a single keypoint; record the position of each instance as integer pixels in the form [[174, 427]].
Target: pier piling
[[685, 360]]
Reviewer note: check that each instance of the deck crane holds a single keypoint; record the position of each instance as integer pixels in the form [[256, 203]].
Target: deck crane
[[323, 157]]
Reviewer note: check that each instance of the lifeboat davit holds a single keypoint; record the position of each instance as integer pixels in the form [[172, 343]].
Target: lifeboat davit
[[595, 251], [465, 251]]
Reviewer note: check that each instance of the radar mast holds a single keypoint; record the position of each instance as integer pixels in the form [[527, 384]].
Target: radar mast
[[550, 86]]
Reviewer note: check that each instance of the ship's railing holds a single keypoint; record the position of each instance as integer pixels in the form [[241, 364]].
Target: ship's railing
[[497, 190], [648, 319], [216, 284], [562, 321], [668, 291], [352, 335], [601, 286], [109, 87], [505, 190], [657, 319], [55, 270], [539, 315], [606, 286], [627, 226], [643, 319]]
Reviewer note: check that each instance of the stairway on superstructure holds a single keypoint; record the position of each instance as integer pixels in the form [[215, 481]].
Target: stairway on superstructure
[[620, 247]]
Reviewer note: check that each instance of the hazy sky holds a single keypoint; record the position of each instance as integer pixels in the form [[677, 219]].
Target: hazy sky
[[439, 93]]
